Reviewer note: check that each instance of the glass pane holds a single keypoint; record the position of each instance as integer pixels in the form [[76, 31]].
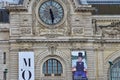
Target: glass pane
[[44, 70], [115, 71], [52, 66]]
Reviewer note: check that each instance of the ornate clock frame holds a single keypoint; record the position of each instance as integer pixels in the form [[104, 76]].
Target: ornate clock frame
[[51, 26]]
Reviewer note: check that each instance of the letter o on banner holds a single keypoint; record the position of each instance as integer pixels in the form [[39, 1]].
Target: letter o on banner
[[26, 75]]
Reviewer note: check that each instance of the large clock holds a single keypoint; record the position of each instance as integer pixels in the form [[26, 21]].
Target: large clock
[[51, 12]]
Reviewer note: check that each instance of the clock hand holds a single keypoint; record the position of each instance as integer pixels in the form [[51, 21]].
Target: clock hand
[[51, 14], [51, 2]]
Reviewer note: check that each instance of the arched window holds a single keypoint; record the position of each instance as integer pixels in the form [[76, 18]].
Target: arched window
[[115, 70], [52, 66]]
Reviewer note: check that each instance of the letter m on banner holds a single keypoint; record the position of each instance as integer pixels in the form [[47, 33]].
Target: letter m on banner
[[26, 66]]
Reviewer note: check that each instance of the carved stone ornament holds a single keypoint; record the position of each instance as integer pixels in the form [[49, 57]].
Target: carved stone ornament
[[52, 47], [58, 32], [25, 46], [51, 33], [77, 31], [112, 30], [25, 30]]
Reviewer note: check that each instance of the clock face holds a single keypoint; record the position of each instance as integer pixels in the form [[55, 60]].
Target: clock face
[[51, 12]]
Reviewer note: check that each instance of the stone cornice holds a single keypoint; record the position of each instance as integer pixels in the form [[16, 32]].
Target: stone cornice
[[68, 40], [49, 41], [16, 8], [113, 24], [84, 8], [106, 18], [107, 41]]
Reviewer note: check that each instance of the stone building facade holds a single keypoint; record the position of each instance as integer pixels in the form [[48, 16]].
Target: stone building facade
[[97, 35]]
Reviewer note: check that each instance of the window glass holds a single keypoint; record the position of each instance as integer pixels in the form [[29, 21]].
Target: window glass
[[4, 16], [52, 66], [115, 70]]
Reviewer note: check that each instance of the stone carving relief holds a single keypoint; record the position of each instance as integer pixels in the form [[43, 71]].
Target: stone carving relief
[[78, 31], [26, 30], [52, 47], [25, 46], [77, 24], [111, 30], [41, 30]]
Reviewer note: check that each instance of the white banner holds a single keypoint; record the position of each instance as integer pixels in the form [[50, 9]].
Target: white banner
[[26, 65]]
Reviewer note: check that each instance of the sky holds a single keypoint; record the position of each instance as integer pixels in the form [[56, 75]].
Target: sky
[[16, 1], [88, 0], [10, 0]]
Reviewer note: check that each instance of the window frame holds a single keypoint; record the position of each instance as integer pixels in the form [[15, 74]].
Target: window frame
[[55, 65]]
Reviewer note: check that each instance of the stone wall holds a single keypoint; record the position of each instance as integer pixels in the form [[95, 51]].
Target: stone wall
[[80, 31]]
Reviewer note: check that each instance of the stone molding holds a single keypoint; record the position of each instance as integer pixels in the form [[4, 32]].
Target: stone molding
[[82, 8], [16, 8]]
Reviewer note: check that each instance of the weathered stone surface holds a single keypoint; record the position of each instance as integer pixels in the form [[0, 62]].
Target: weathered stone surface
[[79, 31]]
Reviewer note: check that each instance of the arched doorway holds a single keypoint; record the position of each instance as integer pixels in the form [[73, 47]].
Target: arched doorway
[[114, 72]]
